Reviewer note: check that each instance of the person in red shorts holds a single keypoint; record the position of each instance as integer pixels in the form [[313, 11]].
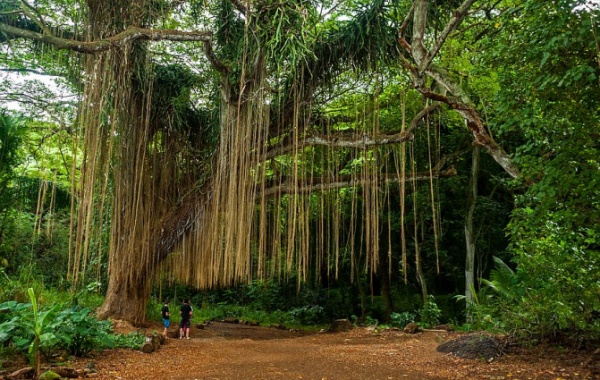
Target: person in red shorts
[[186, 316]]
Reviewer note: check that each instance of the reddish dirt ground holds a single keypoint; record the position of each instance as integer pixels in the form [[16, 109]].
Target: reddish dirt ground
[[224, 351]]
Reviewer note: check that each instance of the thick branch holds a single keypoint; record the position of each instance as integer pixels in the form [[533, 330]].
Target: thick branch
[[474, 123], [419, 52], [212, 58], [11, 12], [322, 184], [458, 101], [345, 141], [39, 20], [130, 34], [404, 25], [30, 71], [342, 141]]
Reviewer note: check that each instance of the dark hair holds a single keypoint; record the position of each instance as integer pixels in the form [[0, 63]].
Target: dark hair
[[186, 300], [166, 301]]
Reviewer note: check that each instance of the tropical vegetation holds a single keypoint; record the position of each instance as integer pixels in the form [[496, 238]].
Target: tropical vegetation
[[296, 162]]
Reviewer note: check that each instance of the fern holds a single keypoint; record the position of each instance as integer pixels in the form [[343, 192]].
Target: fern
[[504, 281]]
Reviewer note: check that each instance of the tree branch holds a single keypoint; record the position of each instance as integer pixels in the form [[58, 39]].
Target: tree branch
[[39, 21], [345, 141], [130, 34], [11, 12], [404, 25], [453, 23], [322, 184], [30, 71], [419, 52], [212, 58], [239, 6], [471, 116]]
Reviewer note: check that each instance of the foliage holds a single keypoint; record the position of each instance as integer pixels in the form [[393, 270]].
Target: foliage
[[430, 314], [78, 332], [561, 273], [553, 117], [153, 308], [11, 137], [308, 315], [56, 329], [133, 340], [34, 211], [243, 313], [41, 333], [402, 319], [370, 321], [15, 287], [531, 69]]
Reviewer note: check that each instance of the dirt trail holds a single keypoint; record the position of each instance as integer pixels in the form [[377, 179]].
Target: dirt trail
[[234, 351]]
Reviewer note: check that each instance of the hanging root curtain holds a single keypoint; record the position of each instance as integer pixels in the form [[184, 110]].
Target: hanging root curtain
[[263, 193]]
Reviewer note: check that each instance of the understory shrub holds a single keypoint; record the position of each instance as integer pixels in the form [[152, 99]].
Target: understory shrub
[[402, 319], [430, 313], [308, 315], [73, 330], [531, 309]]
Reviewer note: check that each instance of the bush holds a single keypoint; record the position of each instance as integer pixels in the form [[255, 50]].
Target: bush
[[430, 313], [78, 332], [73, 329], [402, 319], [308, 315]]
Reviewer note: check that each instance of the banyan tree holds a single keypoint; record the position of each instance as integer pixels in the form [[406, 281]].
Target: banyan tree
[[208, 153]]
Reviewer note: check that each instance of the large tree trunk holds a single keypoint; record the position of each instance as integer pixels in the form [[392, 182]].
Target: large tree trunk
[[161, 231], [119, 94], [126, 301]]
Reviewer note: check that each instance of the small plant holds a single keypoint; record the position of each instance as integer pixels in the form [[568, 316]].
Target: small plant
[[73, 329], [308, 315], [430, 313], [78, 332], [41, 332], [402, 319], [370, 321], [132, 340]]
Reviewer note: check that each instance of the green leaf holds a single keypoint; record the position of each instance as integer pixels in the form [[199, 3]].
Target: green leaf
[[544, 58]]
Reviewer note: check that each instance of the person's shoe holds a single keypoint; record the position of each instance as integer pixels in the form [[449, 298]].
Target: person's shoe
[[187, 337], [180, 337]]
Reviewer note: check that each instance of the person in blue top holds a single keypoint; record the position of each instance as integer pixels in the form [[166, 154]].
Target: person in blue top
[[166, 317], [186, 317]]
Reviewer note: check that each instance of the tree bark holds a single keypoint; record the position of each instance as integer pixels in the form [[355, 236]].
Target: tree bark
[[386, 285], [128, 36], [126, 301], [470, 233], [419, 263]]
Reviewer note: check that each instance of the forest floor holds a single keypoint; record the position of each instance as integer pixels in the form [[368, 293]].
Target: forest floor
[[227, 351]]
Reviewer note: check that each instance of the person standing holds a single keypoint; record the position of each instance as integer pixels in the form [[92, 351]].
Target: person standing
[[186, 315], [166, 317]]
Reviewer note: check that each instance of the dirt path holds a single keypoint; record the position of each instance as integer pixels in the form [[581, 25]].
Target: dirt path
[[234, 351]]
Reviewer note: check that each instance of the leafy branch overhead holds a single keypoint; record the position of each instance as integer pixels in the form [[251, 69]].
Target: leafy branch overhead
[[40, 31]]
